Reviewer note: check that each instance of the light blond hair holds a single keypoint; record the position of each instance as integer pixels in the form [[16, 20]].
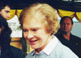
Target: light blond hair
[[47, 14]]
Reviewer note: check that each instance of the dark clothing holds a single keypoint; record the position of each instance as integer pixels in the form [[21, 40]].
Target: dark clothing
[[7, 51], [14, 53], [74, 43]]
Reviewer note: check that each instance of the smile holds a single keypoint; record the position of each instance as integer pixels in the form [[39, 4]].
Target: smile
[[32, 42]]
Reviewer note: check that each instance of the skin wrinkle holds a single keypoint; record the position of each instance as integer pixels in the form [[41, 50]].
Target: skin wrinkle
[[38, 24]]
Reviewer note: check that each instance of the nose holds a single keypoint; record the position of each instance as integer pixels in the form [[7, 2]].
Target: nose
[[65, 25], [30, 35], [8, 15]]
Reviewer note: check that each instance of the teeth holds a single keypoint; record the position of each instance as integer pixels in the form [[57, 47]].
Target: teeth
[[33, 41]]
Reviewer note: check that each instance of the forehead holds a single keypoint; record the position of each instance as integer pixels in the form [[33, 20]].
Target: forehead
[[31, 23], [7, 8], [66, 20], [33, 18]]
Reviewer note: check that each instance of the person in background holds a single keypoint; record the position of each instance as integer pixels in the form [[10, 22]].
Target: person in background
[[67, 38], [4, 11], [6, 50], [39, 23]]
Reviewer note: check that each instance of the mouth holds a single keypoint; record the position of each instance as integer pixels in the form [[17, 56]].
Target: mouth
[[32, 42], [65, 28]]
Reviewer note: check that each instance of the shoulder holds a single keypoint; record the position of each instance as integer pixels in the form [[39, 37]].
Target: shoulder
[[59, 35], [16, 52], [76, 38], [68, 52], [14, 48], [63, 51], [30, 55]]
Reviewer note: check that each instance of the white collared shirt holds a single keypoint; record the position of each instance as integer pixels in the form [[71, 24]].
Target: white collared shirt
[[54, 49], [48, 49]]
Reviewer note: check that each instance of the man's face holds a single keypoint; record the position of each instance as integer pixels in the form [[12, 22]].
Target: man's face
[[5, 12], [66, 25], [35, 33]]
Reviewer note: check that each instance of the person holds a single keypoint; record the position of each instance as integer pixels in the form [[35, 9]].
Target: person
[[6, 50], [38, 23], [67, 38], [4, 11]]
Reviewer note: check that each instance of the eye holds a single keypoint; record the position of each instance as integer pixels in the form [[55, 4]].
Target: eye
[[25, 30], [7, 11], [67, 23], [34, 29]]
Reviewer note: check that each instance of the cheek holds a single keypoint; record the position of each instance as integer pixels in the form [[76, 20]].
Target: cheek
[[3, 15], [71, 27], [24, 34]]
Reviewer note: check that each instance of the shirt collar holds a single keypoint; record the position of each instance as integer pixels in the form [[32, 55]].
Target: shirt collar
[[48, 49]]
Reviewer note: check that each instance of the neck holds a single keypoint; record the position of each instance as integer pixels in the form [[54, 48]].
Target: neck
[[67, 36], [48, 40]]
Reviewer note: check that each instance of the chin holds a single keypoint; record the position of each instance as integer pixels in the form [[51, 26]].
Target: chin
[[33, 47]]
